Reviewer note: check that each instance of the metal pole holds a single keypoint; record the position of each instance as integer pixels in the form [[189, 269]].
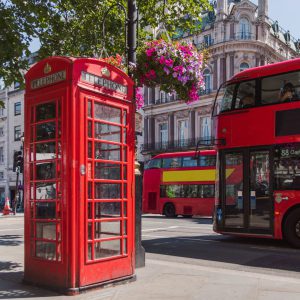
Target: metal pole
[[131, 31]]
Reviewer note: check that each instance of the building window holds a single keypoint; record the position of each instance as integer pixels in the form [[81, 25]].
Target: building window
[[206, 76], [1, 112], [244, 66], [182, 132], [1, 155], [18, 133], [207, 40], [16, 85], [205, 129], [163, 134], [244, 29], [17, 108], [1, 175], [1, 131]]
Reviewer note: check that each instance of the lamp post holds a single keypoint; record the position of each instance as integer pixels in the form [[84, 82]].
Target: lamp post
[[131, 45]]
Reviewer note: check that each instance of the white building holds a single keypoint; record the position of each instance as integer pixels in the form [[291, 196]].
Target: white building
[[239, 35]]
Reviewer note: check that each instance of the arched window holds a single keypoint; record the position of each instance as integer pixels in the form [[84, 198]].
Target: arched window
[[244, 29], [244, 66], [206, 77]]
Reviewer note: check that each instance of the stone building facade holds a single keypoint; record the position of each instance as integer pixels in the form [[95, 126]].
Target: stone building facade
[[238, 35]]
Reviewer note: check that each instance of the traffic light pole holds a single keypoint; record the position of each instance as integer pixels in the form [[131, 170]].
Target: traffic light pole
[[17, 196]]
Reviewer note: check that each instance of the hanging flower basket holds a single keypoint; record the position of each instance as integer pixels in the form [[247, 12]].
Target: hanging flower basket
[[175, 67]]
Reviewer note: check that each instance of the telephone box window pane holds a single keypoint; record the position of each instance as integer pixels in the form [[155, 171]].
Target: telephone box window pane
[[45, 250], [124, 117], [107, 171], [107, 151], [107, 210], [45, 231], [45, 151], [108, 132], [90, 210], [107, 113], [89, 109], [45, 210], [125, 190], [125, 154], [90, 190], [31, 153], [90, 132], [107, 249], [124, 227], [45, 131], [90, 151], [32, 192], [45, 171], [90, 231], [107, 190], [125, 246], [90, 246], [125, 136], [45, 190], [124, 209], [45, 111], [107, 229], [125, 172]]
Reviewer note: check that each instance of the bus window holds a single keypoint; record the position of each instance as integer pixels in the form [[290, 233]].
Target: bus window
[[153, 164], [189, 161], [207, 161], [280, 88], [245, 94], [207, 191], [227, 99], [173, 162], [287, 167]]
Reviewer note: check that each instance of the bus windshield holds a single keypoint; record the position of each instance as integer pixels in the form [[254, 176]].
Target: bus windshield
[[275, 89]]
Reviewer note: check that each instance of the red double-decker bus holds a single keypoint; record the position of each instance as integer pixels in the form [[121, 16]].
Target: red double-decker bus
[[181, 183], [257, 129]]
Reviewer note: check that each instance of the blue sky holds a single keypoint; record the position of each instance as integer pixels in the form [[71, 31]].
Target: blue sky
[[286, 12]]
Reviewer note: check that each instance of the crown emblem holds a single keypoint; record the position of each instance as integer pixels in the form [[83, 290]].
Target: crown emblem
[[47, 68], [105, 72]]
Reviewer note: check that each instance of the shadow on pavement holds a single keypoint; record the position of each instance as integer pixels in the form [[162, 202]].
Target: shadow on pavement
[[251, 252], [10, 240]]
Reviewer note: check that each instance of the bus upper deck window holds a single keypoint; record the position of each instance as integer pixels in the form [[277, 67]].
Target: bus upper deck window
[[280, 88], [153, 164]]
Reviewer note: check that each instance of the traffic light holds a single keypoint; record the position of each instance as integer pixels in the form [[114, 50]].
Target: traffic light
[[18, 161]]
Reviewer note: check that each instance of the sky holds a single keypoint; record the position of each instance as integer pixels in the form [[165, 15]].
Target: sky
[[286, 12]]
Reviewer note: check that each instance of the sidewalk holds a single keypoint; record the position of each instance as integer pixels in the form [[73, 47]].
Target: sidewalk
[[164, 277]]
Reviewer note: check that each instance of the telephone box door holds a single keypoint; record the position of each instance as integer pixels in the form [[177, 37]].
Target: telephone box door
[[106, 175]]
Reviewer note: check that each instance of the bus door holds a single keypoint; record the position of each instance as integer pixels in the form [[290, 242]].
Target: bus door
[[247, 196]]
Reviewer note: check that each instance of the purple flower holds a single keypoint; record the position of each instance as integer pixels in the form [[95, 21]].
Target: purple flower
[[167, 71]]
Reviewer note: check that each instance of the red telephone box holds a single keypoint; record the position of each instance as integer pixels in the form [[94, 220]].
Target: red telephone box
[[79, 174]]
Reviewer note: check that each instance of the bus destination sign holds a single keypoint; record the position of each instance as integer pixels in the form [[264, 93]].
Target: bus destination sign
[[50, 79], [103, 82]]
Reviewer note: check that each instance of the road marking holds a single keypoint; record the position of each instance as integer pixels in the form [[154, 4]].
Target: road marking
[[160, 228]]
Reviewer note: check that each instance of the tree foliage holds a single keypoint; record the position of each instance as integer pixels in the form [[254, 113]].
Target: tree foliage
[[74, 27]]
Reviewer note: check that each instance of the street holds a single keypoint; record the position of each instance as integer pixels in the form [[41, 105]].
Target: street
[[193, 241], [184, 259]]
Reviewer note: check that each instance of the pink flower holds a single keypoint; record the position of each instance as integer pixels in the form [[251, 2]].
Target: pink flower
[[139, 98], [169, 62], [162, 60], [151, 74], [150, 51]]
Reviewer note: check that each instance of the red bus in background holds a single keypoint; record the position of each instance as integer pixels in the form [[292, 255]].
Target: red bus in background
[[257, 126], [180, 184]]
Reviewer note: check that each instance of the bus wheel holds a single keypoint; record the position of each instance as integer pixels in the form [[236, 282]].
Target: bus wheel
[[292, 228], [169, 210], [187, 216]]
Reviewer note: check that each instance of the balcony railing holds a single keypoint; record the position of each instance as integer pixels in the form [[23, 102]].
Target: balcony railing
[[176, 145]]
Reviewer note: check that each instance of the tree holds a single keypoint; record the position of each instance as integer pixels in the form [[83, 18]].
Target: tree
[[74, 27]]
